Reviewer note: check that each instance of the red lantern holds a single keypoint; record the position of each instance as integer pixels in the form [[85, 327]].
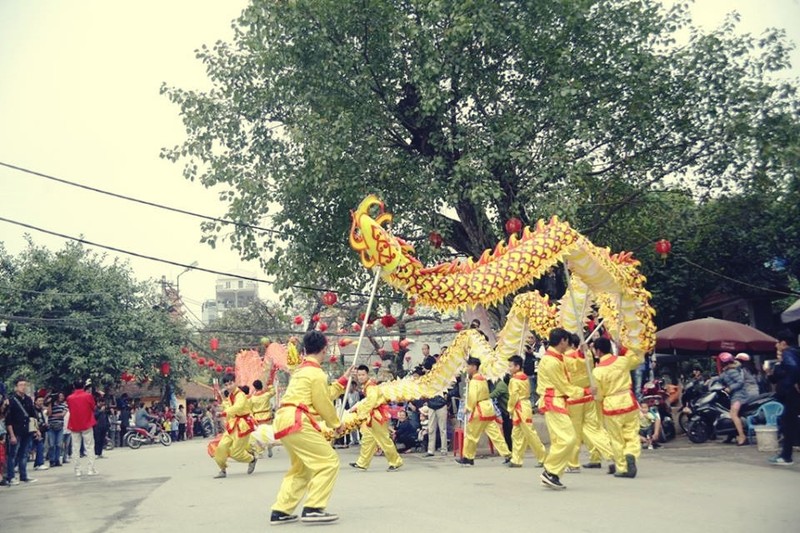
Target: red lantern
[[218, 368], [388, 321], [436, 239], [417, 332], [458, 326], [298, 320], [165, 368], [332, 359], [381, 351], [330, 298], [663, 248], [404, 343], [410, 311], [201, 361], [396, 346], [315, 317], [323, 327], [342, 331], [513, 225], [356, 327], [193, 355], [211, 363], [376, 364], [229, 370], [214, 344], [184, 350]]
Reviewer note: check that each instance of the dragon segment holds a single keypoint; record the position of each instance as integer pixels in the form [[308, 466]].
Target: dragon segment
[[612, 281]]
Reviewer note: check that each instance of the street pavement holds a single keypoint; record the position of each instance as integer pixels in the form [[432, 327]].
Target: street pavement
[[681, 487]]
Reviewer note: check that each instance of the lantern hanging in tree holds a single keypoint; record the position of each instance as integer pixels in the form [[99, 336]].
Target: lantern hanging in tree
[[410, 311], [218, 368], [404, 343], [458, 326], [214, 344], [229, 370], [663, 248], [165, 368], [376, 364], [513, 225], [330, 298], [298, 320], [436, 239], [315, 317], [193, 355], [395, 345], [332, 359], [356, 327], [184, 350], [323, 327], [211, 363], [388, 321], [201, 361]]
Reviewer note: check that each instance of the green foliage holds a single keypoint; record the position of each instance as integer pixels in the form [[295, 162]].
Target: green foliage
[[461, 114], [77, 315]]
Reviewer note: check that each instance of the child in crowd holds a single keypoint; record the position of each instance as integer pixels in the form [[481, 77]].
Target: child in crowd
[[647, 424]]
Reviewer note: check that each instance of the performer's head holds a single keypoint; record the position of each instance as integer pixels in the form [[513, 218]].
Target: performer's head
[[514, 364], [559, 339], [362, 374], [473, 365], [475, 324], [602, 346], [314, 344], [229, 382], [574, 341], [258, 385]]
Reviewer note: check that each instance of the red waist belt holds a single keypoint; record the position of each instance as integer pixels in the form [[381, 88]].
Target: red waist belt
[[587, 397], [481, 416], [634, 407], [518, 412], [300, 410], [234, 424], [549, 395], [384, 411]]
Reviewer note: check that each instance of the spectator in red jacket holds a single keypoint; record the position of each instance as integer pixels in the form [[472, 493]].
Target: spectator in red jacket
[[81, 423]]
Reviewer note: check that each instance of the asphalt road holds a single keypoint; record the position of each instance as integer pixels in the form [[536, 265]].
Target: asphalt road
[[681, 487]]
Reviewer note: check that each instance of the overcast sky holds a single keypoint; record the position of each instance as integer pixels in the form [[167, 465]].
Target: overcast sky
[[79, 99]]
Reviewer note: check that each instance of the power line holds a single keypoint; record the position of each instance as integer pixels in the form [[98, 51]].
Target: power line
[[52, 293], [176, 263], [740, 282], [138, 200]]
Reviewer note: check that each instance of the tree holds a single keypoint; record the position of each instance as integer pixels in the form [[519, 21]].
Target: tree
[[461, 115], [74, 315]]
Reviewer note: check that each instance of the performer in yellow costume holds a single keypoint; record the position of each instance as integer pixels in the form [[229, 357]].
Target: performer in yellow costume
[[314, 464], [523, 436], [482, 417], [583, 411], [620, 408], [260, 400], [238, 426], [554, 388], [375, 431]]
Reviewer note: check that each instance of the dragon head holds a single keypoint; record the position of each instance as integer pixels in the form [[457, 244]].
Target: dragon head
[[370, 237]]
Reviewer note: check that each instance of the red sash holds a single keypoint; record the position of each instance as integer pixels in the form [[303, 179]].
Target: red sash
[[549, 396], [299, 410]]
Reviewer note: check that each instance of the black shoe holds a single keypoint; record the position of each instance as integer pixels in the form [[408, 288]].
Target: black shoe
[[551, 481], [612, 468], [657, 445], [593, 465], [465, 461], [513, 465], [279, 518], [631, 462], [357, 466], [393, 468], [507, 460], [251, 466], [317, 515]]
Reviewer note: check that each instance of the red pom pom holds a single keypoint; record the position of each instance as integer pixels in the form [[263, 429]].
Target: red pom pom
[[458, 326]]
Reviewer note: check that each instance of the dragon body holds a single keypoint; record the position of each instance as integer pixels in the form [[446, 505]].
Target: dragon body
[[613, 282]]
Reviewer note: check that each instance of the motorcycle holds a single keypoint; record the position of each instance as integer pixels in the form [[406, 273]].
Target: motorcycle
[[710, 414], [655, 395], [691, 393], [135, 437]]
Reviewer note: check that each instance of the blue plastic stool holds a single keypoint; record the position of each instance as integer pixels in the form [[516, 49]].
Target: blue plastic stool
[[771, 411]]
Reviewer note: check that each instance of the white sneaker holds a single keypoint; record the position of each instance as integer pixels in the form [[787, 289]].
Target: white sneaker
[[41, 467], [92, 472], [77, 473], [444, 452], [13, 481]]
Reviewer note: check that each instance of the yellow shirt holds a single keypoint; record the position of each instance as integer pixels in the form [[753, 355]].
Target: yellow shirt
[[519, 399], [306, 401], [237, 414], [478, 402], [553, 386], [260, 404], [613, 376], [373, 407], [578, 375]]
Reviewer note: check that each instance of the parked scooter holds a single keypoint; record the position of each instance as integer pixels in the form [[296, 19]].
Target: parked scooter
[[710, 415], [655, 395], [135, 437], [691, 393]]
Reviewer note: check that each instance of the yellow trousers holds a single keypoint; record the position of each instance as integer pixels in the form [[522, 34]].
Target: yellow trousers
[[475, 428], [624, 432], [523, 436], [371, 438], [562, 441], [314, 469], [234, 447], [588, 430]]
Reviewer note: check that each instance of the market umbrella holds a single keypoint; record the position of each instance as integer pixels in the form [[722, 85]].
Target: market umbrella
[[713, 334], [791, 313]]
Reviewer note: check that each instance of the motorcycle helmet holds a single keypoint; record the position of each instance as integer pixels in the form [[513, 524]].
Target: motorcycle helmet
[[725, 358], [743, 357]]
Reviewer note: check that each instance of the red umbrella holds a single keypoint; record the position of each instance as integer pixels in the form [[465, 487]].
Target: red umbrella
[[715, 335]]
